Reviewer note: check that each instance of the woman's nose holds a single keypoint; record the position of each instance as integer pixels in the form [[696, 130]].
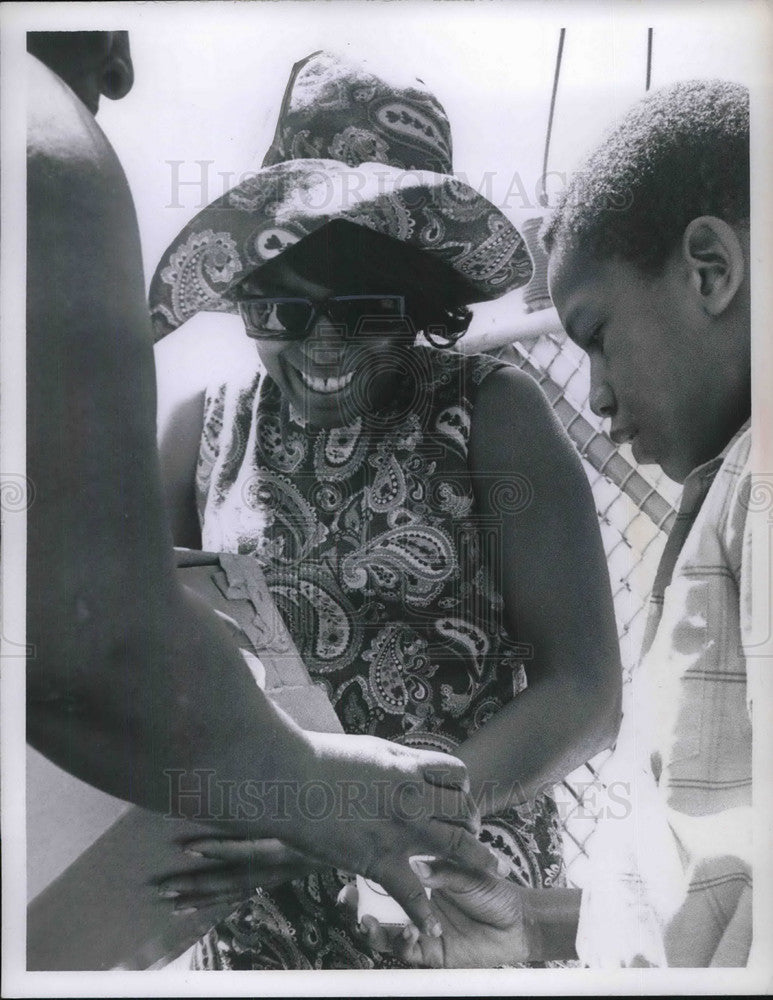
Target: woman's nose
[[325, 329], [326, 342]]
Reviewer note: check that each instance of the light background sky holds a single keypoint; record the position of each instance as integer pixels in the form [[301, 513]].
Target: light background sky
[[210, 78]]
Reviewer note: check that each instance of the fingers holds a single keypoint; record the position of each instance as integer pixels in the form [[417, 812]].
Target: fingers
[[444, 876], [207, 886], [267, 852], [378, 937], [449, 776], [368, 928], [456, 844], [453, 805], [187, 897], [447, 771], [375, 935], [199, 886], [436, 874], [244, 864], [484, 898], [417, 802], [184, 906], [389, 940], [348, 898], [404, 886], [417, 949], [406, 943]]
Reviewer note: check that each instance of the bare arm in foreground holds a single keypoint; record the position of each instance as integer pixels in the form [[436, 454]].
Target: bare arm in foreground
[[131, 675]]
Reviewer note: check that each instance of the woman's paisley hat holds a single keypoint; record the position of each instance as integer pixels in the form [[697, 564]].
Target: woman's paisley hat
[[348, 145]]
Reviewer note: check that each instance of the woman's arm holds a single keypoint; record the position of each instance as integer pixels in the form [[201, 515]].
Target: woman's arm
[[553, 577]]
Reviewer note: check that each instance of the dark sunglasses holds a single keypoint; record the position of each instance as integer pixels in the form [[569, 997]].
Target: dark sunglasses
[[294, 318]]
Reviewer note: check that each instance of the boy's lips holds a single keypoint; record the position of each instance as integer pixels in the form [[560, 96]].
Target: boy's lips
[[622, 435], [630, 436]]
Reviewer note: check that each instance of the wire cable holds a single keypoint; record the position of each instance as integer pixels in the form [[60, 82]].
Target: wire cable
[[543, 198]]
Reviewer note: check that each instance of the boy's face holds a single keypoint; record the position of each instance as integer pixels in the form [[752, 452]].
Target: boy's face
[[654, 370]]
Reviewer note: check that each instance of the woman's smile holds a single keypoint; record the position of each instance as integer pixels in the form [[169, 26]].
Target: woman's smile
[[328, 385], [333, 395], [329, 376]]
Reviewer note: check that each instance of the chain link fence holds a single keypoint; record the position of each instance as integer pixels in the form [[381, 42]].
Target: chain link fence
[[635, 507]]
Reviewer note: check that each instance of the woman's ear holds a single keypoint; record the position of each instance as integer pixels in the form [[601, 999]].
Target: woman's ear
[[714, 254]]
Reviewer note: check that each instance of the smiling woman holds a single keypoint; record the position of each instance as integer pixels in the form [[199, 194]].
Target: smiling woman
[[398, 497], [333, 315]]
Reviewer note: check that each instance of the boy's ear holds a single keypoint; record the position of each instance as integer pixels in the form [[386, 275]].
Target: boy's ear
[[716, 261]]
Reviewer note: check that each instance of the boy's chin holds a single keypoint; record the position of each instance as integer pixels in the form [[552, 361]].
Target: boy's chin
[[677, 469]]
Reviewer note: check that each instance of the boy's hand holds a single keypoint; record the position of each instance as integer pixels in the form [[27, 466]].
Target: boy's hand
[[484, 920]]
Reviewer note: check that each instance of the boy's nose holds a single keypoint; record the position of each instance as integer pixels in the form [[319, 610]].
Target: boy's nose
[[602, 400]]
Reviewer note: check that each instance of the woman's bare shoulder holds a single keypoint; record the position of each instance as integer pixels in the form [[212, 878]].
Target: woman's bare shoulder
[[510, 399]]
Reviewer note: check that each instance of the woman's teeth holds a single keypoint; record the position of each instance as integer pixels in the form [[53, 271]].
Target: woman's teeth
[[318, 384]]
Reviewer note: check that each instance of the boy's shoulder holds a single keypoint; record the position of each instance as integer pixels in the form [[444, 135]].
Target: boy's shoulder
[[716, 540], [738, 487], [738, 454]]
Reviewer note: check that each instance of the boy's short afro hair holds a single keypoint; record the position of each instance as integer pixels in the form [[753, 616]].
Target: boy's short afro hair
[[680, 153]]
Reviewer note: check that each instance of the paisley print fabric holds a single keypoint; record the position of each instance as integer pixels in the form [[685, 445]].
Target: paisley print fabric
[[349, 144], [373, 550]]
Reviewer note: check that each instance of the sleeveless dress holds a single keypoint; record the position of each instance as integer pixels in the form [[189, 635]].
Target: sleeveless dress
[[374, 552]]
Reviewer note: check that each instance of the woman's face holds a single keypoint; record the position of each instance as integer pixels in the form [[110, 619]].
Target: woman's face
[[331, 378]]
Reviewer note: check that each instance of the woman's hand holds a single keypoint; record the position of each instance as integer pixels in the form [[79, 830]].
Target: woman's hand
[[485, 921], [375, 804], [239, 867], [365, 805]]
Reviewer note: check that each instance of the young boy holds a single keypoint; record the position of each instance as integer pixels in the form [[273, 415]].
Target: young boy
[[649, 257]]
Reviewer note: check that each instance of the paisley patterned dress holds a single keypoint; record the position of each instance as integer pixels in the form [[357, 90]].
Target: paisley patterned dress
[[380, 565]]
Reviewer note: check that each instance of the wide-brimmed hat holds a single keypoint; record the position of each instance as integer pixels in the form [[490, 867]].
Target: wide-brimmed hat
[[348, 145]]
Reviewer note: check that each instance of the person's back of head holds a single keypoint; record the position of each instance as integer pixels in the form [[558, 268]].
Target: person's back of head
[[91, 63]]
